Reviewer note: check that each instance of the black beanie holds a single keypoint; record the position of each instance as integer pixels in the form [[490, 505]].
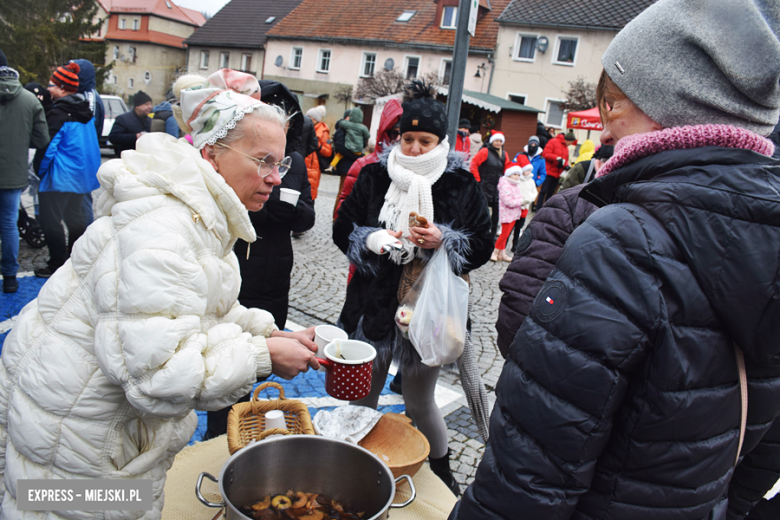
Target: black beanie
[[3, 60], [464, 123], [140, 98], [422, 112]]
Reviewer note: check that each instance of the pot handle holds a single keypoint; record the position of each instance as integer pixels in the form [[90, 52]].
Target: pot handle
[[411, 485], [200, 495]]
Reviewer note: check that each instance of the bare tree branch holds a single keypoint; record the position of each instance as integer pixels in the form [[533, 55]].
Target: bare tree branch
[[580, 96]]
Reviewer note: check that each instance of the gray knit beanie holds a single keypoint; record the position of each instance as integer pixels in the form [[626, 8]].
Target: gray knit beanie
[[691, 62]]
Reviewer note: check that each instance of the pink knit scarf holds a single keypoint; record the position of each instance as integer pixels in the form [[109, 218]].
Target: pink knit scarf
[[635, 147]]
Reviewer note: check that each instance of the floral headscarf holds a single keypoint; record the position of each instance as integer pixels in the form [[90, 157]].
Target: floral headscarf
[[216, 106]]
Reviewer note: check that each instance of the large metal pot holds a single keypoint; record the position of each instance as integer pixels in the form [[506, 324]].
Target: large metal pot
[[348, 473]]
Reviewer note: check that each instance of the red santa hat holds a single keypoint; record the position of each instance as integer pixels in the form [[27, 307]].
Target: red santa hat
[[522, 165]]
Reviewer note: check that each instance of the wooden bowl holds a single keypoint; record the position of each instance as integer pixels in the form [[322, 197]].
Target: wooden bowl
[[398, 444]]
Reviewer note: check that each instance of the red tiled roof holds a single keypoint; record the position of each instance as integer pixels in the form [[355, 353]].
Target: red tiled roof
[[147, 37], [156, 7], [374, 21]]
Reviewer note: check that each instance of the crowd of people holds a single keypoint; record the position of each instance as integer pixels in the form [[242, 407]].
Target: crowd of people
[[638, 318]]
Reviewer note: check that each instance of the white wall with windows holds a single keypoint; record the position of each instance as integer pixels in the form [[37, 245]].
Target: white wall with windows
[[348, 64], [207, 60], [522, 70]]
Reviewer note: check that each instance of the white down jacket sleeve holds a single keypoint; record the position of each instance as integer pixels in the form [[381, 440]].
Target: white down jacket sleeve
[[171, 332]]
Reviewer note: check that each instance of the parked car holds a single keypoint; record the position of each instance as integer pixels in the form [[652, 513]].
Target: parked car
[[114, 107]]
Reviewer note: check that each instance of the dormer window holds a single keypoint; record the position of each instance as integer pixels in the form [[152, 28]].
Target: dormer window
[[270, 19], [449, 17], [406, 16]]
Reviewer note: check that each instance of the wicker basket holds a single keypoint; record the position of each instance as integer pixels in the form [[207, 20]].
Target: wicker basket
[[246, 421]]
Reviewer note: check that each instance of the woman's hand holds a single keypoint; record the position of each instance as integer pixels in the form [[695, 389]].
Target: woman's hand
[[289, 357], [305, 337], [427, 237]]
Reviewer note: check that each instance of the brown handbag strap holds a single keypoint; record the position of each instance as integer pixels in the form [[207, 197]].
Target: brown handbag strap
[[743, 390]]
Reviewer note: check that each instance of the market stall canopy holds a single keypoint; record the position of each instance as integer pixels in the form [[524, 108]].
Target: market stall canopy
[[490, 103], [585, 120]]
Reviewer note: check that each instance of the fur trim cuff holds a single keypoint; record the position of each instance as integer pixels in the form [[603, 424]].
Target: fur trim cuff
[[457, 245], [358, 254]]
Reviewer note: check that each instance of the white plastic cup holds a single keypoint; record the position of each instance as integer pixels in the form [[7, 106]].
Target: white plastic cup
[[274, 419], [324, 334], [289, 196]]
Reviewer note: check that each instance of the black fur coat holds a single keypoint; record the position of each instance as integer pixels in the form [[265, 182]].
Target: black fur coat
[[460, 211]]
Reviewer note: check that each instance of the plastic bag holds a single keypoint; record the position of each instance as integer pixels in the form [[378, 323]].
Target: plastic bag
[[433, 314]]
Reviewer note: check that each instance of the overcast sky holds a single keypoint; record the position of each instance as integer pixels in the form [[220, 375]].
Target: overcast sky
[[209, 6]]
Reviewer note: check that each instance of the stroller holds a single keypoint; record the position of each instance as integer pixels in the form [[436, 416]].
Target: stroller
[[29, 229]]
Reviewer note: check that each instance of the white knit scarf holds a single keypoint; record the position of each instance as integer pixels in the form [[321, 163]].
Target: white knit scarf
[[410, 190]]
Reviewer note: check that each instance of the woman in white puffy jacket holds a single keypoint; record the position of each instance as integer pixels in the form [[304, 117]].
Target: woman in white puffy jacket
[[100, 374]]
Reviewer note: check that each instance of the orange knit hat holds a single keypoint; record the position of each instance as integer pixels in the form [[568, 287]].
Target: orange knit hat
[[67, 77]]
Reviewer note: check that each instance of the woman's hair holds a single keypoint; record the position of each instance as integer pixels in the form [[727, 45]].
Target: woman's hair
[[607, 94], [264, 112]]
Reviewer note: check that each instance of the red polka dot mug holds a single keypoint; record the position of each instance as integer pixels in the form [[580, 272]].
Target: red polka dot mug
[[348, 363]]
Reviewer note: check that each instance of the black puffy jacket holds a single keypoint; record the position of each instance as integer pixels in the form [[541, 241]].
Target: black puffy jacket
[[540, 247], [265, 275], [620, 396]]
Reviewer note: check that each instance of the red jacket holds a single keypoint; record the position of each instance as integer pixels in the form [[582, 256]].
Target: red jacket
[[463, 144], [391, 114], [556, 148], [481, 157]]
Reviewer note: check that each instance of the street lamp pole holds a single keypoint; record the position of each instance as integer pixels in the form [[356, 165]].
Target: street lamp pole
[[458, 72]]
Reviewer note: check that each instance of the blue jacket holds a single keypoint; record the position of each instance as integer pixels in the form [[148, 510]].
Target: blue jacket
[[72, 159], [171, 126], [538, 162]]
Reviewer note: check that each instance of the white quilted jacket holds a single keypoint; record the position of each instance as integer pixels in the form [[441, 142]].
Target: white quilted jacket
[[101, 373]]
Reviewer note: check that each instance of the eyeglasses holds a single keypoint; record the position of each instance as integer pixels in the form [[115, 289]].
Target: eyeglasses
[[265, 167], [52, 85]]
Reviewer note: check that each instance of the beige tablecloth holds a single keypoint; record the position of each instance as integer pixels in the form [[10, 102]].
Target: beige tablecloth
[[434, 500]]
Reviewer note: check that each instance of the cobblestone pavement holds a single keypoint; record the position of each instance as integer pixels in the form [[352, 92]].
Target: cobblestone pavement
[[317, 294]]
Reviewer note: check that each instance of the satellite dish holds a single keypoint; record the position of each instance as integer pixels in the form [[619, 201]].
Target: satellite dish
[[542, 43], [279, 61], [389, 64]]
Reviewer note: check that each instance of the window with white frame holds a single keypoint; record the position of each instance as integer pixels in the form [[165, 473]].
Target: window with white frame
[[224, 60], [136, 24], [132, 54], [204, 59], [246, 62], [405, 16], [566, 50], [449, 17], [412, 67], [130, 83], [296, 58], [446, 71], [368, 65], [516, 98], [116, 52], [123, 23], [323, 61], [554, 115], [525, 47]]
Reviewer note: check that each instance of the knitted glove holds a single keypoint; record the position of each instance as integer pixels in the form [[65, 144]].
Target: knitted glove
[[381, 242]]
